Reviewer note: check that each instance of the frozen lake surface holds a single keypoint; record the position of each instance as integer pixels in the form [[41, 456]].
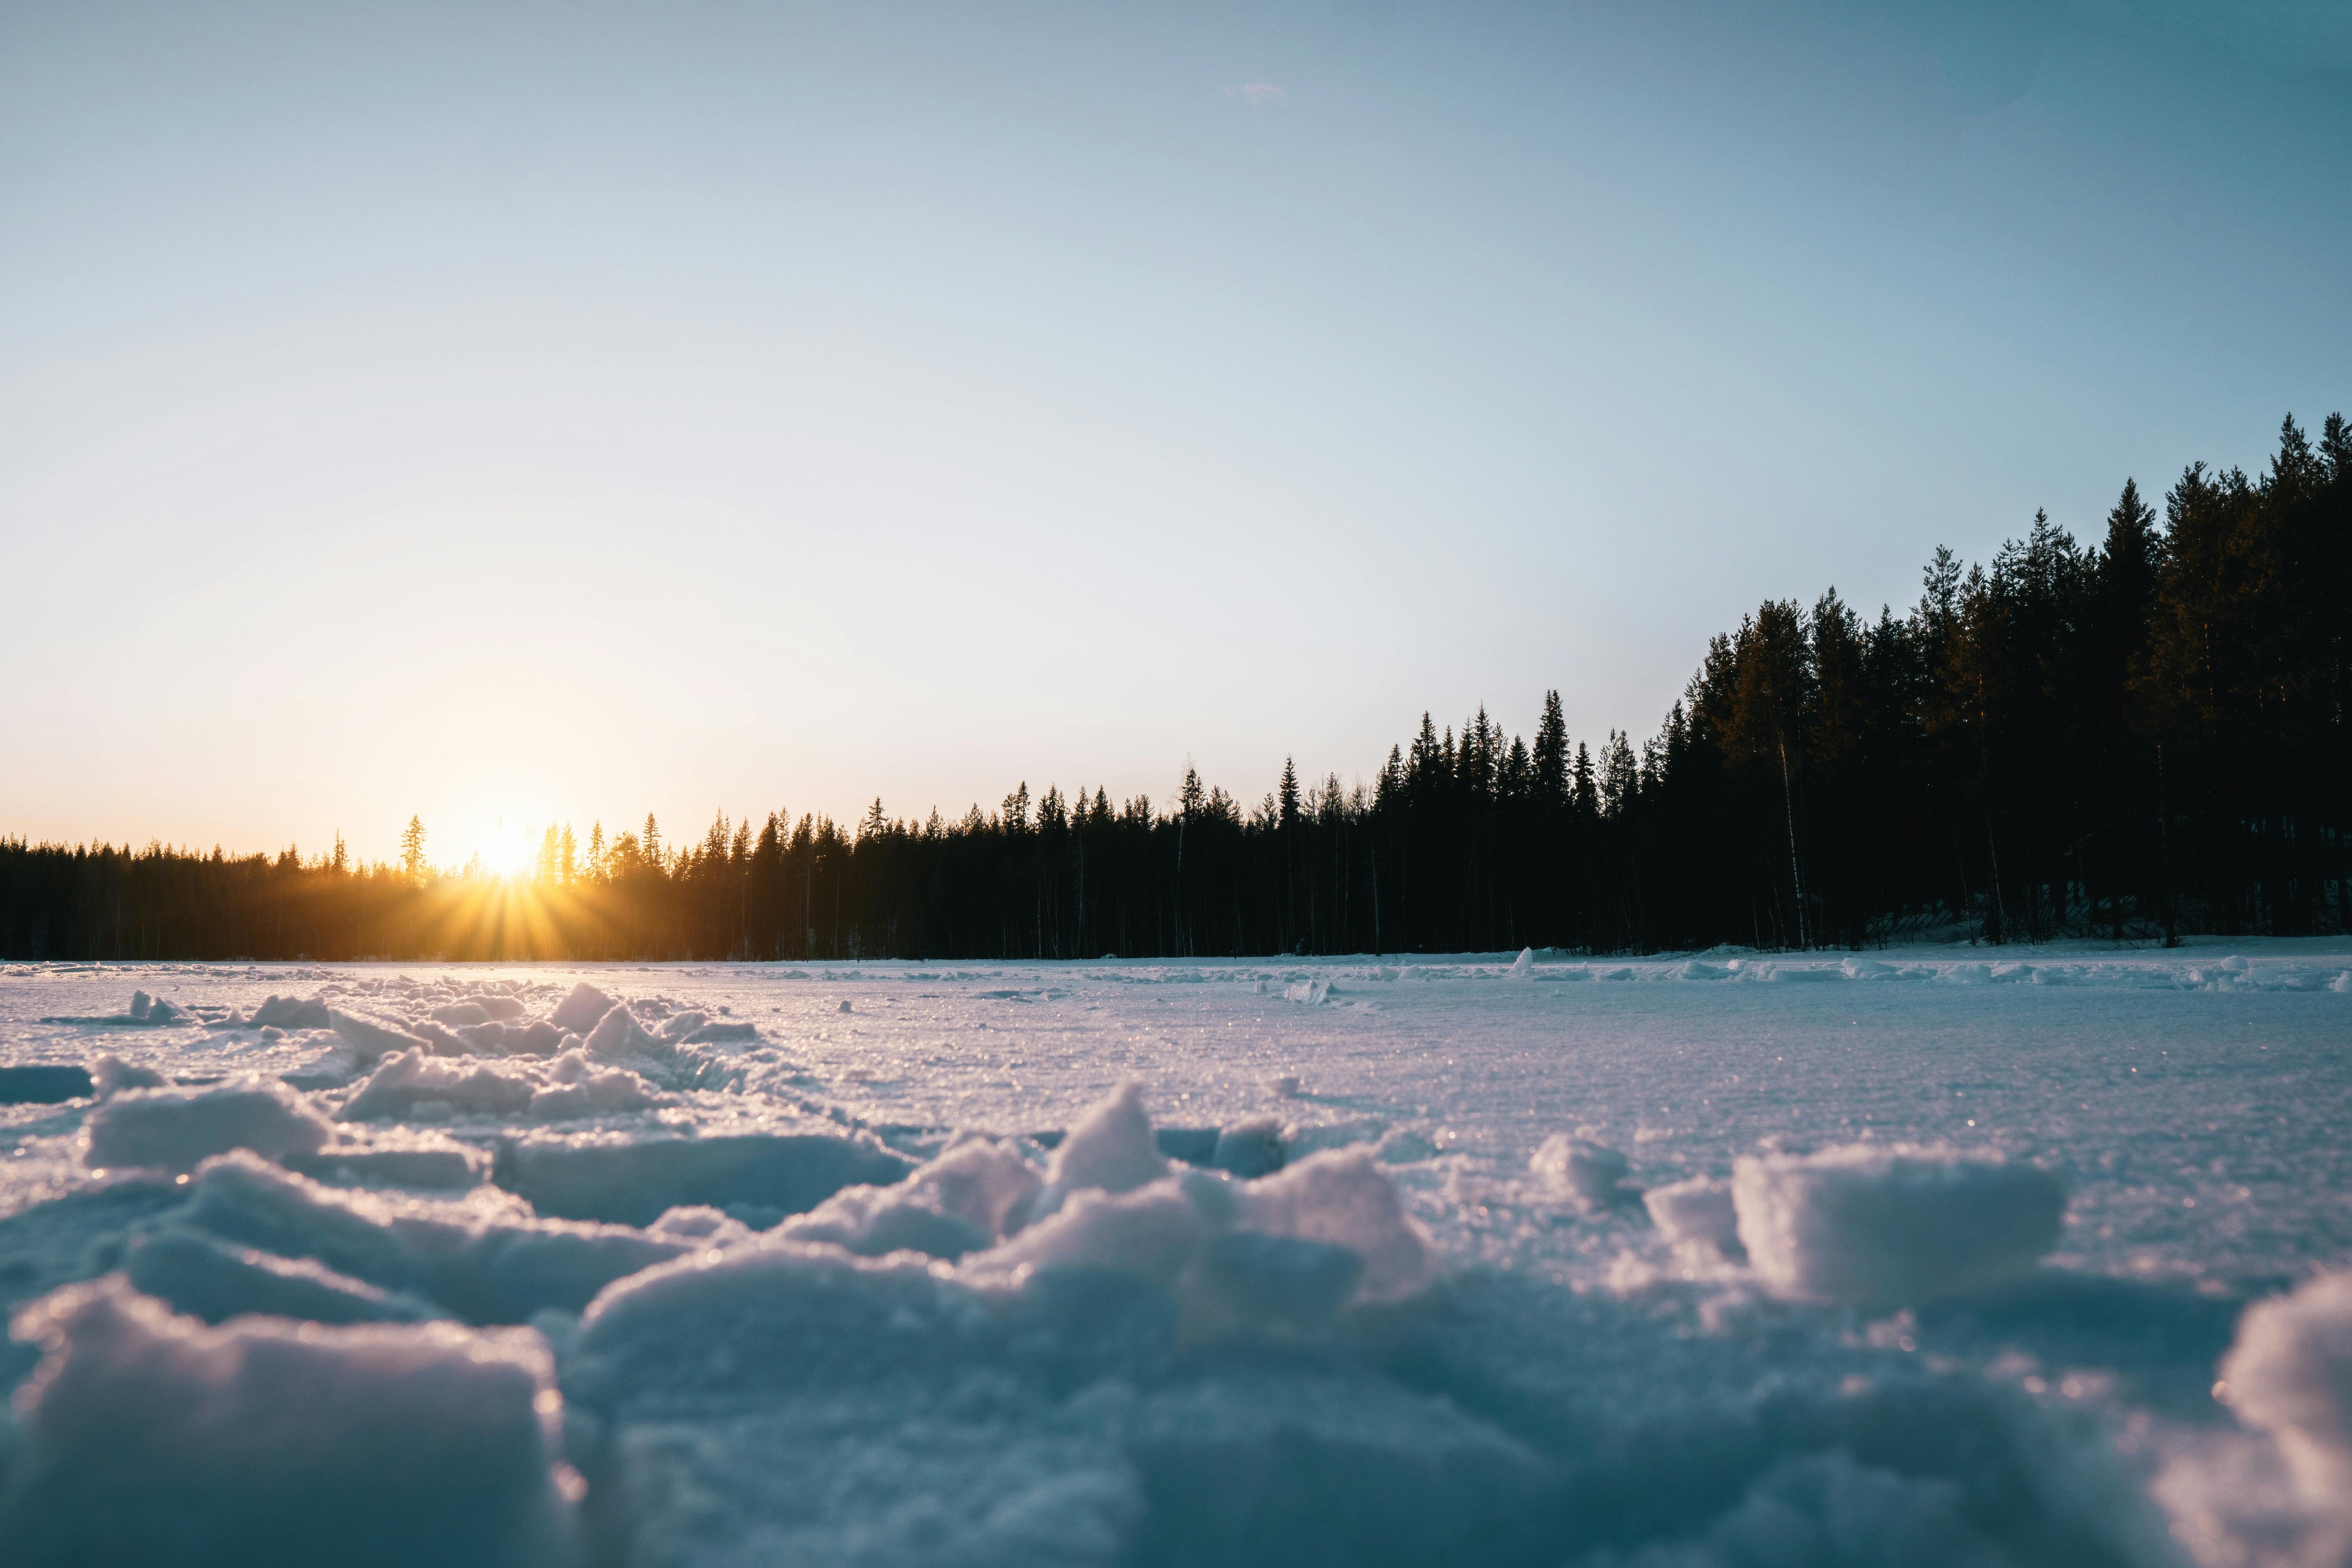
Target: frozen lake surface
[[1936, 1256]]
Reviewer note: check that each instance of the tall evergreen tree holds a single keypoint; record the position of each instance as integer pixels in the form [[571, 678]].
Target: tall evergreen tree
[[411, 850]]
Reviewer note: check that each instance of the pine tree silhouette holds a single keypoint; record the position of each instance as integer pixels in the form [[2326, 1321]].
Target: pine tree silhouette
[[2129, 740]]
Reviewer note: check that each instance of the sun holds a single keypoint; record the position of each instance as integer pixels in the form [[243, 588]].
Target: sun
[[507, 852]]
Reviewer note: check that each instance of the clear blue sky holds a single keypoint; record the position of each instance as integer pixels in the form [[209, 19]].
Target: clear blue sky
[[526, 412]]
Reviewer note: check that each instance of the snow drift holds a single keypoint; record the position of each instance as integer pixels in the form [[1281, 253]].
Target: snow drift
[[960, 1202], [2277, 1494], [149, 1437], [484, 1258], [565, 1088], [1584, 1172], [1700, 1210], [632, 1183], [195, 1273], [801, 1310], [176, 1130], [1872, 1227], [2290, 1374], [43, 1083], [1112, 1149]]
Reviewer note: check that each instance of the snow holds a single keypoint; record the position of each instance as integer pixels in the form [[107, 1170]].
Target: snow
[[460, 1084], [153, 1437], [1580, 1171], [2290, 1374], [45, 1084], [618, 1034], [582, 1010], [192, 1273], [632, 1182], [1927, 1255], [368, 1041], [172, 1130], [1886, 1226], [1699, 1211], [484, 1257], [278, 1012], [568, 1088], [404, 1157], [2277, 1491], [111, 1075], [1341, 1198], [1111, 1148], [1151, 1233], [1250, 1147], [967, 1198]]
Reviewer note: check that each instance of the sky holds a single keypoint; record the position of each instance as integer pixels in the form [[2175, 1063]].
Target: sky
[[508, 414]]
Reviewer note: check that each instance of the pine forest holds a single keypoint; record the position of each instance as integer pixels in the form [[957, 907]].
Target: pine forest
[[2128, 738]]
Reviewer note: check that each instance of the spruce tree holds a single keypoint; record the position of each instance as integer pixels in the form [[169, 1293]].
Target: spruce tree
[[412, 851], [1192, 797], [1551, 754]]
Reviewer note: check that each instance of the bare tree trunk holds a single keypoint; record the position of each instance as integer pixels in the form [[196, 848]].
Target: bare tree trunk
[[1796, 871]]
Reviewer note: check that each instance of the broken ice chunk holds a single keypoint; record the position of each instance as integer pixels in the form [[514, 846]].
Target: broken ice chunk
[[149, 1437], [176, 1130], [1585, 1173], [1882, 1227], [1698, 1210]]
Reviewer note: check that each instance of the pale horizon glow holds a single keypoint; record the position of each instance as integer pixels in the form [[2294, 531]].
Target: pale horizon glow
[[553, 414]]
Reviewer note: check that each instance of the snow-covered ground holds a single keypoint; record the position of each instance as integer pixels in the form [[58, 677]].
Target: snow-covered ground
[[1937, 1255]]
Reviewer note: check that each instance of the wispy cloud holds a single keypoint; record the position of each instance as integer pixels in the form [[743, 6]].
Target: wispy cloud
[[1259, 94]]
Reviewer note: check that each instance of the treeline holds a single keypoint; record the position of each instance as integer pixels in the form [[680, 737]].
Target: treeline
[[2133, 738]]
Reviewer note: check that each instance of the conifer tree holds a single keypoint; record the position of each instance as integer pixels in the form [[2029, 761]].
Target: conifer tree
[[1551, 780], [1192, 799]]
